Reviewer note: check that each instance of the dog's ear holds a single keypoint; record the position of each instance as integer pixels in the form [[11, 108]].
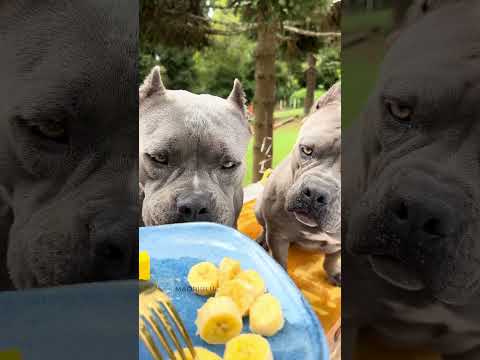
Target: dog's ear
[[152, 85], [237, 96]]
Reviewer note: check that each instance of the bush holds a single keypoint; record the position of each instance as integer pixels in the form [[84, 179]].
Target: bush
[[328, 67]]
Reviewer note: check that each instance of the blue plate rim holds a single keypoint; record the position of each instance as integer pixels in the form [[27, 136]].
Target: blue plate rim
[[269, 261]]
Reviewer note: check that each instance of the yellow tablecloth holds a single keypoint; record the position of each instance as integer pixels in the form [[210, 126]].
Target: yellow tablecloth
[[306, 270]]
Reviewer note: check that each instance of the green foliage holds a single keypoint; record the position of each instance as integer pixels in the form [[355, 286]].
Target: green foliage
[[178, 66], [298, 97], [219, 64], [328, 66], [288, 77], [212, 69], [278, 10], [178, 23]]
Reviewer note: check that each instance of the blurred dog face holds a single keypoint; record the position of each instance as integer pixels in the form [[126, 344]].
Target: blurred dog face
[[419, 217], [192, 150], [315, 196], [68, 164]]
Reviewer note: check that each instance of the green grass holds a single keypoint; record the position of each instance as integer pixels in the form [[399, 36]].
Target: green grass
[[288, 113], [283, 140]]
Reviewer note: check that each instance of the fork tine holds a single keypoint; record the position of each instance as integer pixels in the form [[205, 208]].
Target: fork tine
[[156, 329], [148, 341], [179, 324], [166, 325]]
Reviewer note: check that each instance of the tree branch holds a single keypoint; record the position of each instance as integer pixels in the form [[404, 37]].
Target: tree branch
[[311, 33]]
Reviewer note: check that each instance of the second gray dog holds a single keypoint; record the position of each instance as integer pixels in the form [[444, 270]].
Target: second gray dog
[[301, 202], [192, 150]]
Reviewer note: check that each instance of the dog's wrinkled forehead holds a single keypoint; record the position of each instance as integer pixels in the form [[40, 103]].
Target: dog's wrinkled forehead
[[323, 127], [44, 78], [183, 117], [449, 50]]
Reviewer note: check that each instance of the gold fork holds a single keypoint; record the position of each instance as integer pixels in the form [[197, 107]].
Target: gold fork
[[155, 306]]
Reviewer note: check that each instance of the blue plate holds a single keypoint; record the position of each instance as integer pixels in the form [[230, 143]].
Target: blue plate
[[174, 249]]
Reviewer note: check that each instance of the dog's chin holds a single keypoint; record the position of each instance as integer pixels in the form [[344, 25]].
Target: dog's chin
[[396, 273], [304, 219]]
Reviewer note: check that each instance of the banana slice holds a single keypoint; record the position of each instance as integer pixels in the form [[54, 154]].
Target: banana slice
[[240, 291], [254, 279], [266, 316], [228, 269], [203, 278], [218, 320], [202, 354], [248, 347]]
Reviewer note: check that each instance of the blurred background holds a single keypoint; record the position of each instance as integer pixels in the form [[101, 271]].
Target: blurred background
[[286, 53], [366, 28]]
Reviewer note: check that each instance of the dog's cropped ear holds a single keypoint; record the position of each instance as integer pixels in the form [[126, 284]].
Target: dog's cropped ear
[[334, 94], [237, 96], [152, 85]]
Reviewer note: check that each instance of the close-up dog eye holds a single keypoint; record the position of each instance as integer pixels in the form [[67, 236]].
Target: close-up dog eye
[[54, 130], [399, 111], [227, 165], [306, 150], [159, 158]]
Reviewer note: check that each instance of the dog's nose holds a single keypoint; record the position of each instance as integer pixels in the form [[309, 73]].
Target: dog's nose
[[420, 223], [421, 219], [412, 216], [194, 206], [315, 196], [114, 247]]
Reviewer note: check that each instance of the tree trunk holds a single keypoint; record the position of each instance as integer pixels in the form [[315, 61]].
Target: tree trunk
[[264, 101], [311, 81], [400, 8]]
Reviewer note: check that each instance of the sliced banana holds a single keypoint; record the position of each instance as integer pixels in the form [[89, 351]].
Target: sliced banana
[[240, 291], [228, 269], [266, 316], [218, 320], [254, 279], [203, 278], [201, 354], [248, 347]]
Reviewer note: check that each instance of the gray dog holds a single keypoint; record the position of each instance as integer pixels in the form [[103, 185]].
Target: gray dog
[[68, 165], [411, 194], [301, 202], [192, 150]]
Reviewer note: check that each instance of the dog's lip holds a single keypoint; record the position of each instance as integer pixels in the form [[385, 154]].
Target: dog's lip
[[303, 218], [394, 272]]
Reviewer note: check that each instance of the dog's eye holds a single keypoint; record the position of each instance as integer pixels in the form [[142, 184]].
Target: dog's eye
[[400, 112], [229, 164], [54, 130], [306, 150], [159, 158]]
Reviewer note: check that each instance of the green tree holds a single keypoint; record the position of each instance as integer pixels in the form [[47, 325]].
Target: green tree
[[270, 19], [219, 64]]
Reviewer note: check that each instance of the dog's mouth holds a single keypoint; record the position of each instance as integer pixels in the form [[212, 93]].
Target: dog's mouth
[[396, 273], [305, 219]]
